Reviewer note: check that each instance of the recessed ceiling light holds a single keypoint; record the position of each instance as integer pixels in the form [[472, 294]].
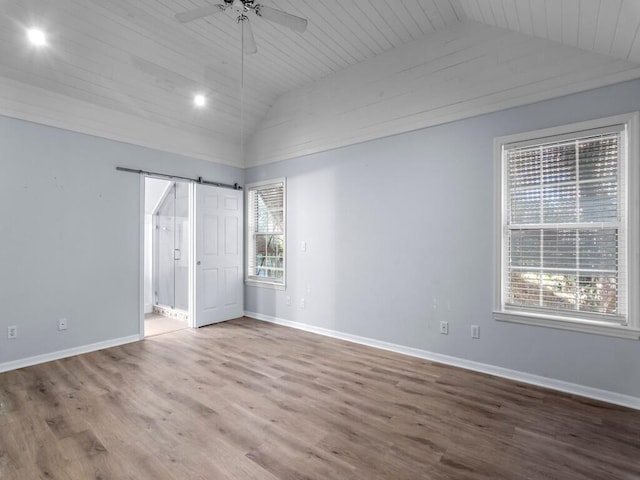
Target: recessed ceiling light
[[37, 37], [199, 100]]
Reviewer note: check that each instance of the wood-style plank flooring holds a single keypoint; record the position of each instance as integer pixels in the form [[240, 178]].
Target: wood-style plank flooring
[[251, 400]]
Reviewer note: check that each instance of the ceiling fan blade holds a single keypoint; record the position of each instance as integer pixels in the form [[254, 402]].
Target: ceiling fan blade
[[297, 24], [248, 40], [191, 15]]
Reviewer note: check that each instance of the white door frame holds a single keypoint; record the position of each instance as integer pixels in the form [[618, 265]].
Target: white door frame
[[192, 255], [141, 256]]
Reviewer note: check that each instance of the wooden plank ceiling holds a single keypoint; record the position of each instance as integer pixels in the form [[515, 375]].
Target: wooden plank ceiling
[[127, 70], [134, 58], [609, 27]]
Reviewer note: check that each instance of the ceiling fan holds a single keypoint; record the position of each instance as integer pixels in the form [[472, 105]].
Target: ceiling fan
[[240, 8]]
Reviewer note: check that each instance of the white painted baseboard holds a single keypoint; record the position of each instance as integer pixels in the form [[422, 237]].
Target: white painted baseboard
[[554, 384], [70, 352]]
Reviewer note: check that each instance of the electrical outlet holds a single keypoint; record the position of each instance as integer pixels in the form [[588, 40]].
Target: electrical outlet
[[288, 300], [444, 328], [475, 331], [12, 332], [62, 324], [303, 303]]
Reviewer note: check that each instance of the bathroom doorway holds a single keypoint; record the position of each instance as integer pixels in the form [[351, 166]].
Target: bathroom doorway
[[167, 243]]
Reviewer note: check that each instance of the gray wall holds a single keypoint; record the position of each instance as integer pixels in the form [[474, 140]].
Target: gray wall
[[390, 225], [70, 235], [400, 236]]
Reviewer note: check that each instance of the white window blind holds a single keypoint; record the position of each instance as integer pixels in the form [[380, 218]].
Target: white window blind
[[564, 226], [266, 232]]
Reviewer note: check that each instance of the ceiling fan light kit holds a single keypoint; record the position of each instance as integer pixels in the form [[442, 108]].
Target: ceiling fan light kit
[[241, 8]]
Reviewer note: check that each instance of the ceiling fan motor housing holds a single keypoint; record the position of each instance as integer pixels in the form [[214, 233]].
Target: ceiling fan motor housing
[[240, 7]]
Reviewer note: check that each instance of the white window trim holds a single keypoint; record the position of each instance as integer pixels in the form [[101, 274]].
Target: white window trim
[[250, 281], [632, 167]]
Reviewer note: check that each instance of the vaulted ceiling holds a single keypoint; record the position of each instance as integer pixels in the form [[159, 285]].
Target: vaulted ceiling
[[608, 27], [128, 70]]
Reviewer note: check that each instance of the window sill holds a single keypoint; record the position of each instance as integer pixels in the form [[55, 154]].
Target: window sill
[[259, 284], [563, 324]]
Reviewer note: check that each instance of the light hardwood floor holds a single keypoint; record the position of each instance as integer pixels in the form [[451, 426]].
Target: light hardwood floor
[[251, 400]]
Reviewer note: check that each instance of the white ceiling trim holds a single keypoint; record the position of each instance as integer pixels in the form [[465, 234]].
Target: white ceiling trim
[[37, 105]]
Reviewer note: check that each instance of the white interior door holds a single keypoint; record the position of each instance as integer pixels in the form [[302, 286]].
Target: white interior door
[[219, 293]]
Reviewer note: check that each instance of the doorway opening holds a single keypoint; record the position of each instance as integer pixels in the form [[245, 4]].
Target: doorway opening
[[191, 249], [166, 256]]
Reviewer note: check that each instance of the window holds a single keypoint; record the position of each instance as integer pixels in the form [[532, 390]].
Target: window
[[568, 239], [266, 233]]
